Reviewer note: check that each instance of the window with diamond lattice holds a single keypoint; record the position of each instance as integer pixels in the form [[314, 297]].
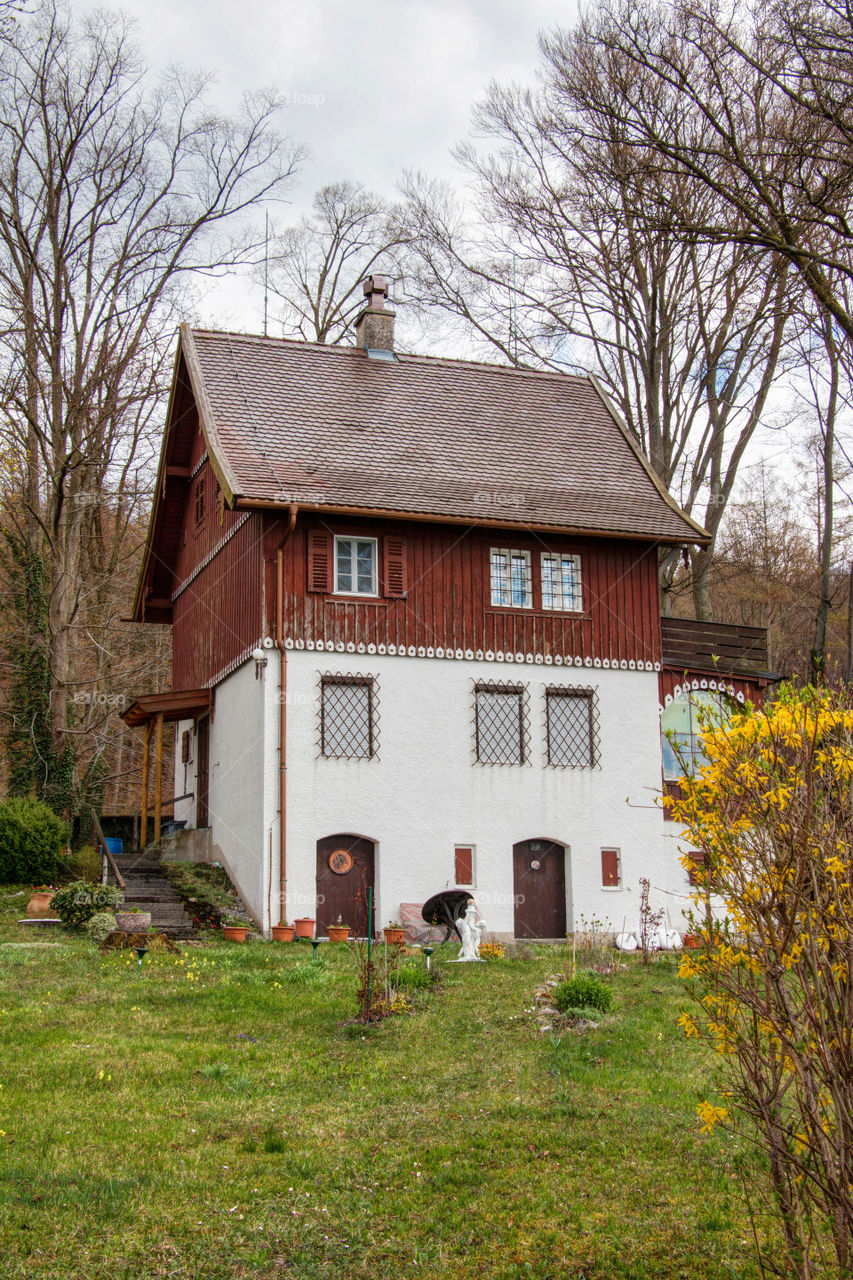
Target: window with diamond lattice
[[499, 724], [346, 718], [570, 727]]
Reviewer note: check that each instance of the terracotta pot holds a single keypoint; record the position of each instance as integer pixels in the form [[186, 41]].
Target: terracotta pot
[[395, 937], [691, 941], [282, 933], [304, 927], [338, 932], [234, 932], [38, 907], [133, 921]]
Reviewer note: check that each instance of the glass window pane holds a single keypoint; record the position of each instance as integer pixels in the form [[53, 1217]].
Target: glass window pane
[[344, 564], [346, 719], [569, 724], [499, 727], [548, 601], [500, 592], [365, 554]]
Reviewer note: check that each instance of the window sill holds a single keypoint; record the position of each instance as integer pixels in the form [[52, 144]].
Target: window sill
[[612, 888], [333, 598]]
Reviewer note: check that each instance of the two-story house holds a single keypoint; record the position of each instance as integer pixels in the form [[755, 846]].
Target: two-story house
[[417, 637]]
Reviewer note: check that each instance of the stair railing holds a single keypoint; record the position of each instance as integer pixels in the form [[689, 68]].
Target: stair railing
[[107, 859]]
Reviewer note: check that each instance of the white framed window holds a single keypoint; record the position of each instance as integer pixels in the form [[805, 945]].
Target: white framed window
[[356, 566], [561, 582], [511, 578], [681, 730]]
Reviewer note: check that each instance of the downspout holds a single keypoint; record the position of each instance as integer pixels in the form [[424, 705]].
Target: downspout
[[282, 703]]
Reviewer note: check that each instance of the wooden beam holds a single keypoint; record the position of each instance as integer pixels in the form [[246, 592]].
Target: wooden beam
[[178, 473], [143, 808], [158, 778]]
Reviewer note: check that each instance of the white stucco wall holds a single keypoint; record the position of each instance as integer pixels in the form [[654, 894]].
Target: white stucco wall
[[424, 793]]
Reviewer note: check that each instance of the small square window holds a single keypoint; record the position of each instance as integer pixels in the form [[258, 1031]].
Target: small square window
[[570, 727], [499, 724], [463, 858], [347, 728], [356, 567], [611, 870], [511, 580], [561, 583]]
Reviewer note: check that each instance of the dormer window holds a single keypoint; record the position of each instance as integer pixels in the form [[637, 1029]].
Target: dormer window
[[356, 567], [511, 578]]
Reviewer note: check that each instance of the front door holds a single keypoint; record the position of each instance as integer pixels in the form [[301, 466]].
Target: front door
[[344, 876], [539, 877]]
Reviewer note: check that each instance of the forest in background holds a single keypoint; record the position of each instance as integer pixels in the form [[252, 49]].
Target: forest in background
[[669, 208]]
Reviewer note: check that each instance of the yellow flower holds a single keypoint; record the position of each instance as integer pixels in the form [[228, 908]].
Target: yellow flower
[[710, 1116]]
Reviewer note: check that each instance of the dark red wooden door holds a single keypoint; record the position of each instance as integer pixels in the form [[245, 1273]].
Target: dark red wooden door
[[202, 782], [343, 891], [539, 877]]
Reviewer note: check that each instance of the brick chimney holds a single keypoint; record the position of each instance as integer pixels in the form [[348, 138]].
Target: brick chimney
[[374, 328]]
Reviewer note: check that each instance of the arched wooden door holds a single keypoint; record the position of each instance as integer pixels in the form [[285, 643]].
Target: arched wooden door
[[539, 878], [344, 875]]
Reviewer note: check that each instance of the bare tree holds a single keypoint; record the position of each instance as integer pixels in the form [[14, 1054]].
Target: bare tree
[[689, 337], [114, 195], [317, 266]]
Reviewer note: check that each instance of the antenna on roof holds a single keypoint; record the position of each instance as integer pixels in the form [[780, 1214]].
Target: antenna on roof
[[266, 270]]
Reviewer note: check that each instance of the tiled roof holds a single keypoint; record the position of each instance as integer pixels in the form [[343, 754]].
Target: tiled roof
[[327, 426]]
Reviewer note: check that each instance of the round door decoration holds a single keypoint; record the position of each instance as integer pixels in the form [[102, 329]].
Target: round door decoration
[[535, 864], [340, 861]]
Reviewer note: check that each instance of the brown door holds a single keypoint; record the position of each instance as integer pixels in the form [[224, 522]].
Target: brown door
[[344, 876], [539, 877], [202, 817]]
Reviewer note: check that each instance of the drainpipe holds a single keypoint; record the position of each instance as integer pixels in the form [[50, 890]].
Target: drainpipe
[[282, 698]]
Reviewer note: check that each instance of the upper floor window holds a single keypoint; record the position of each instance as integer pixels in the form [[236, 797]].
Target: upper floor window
[[511, 578], [356, 567], [561, 582]]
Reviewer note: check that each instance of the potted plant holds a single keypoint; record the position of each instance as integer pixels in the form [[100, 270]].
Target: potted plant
[[38, 907], [338, 932], [234, 929], [395, 934], [133, 920], [303, 927], [282, 932]]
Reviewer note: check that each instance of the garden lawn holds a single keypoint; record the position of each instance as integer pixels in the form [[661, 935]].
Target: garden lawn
[[220, 1115]]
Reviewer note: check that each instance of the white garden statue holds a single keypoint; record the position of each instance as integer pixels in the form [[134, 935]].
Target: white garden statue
[[471, 929]]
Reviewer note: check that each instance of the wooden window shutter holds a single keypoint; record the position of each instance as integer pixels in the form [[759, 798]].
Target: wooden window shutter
[[610, 868], [464, 868], [394, 568], [319, 560], [697, 866]]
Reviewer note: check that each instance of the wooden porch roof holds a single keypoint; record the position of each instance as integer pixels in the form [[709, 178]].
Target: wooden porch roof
[[183, 704]]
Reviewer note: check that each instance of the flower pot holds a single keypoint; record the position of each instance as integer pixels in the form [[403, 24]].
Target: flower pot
[[395, 937], [691, 941], [304, 927], [133, 921], [282, 933], [234, 932], [338, 932], [38, 907]]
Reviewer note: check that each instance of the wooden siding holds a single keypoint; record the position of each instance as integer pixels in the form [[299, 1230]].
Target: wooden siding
[[218, 613], [714, 646], [447, 603], [672, 682]]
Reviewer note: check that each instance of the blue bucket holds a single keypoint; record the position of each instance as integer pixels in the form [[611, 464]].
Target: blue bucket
[[115, 844]]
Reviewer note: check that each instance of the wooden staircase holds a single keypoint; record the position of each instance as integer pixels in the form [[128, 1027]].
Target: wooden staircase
[[147, 887]]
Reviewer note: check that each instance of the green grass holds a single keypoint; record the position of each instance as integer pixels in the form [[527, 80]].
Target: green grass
[[222, 1116]]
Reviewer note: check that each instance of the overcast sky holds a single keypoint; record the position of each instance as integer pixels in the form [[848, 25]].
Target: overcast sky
[[373, 88]]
